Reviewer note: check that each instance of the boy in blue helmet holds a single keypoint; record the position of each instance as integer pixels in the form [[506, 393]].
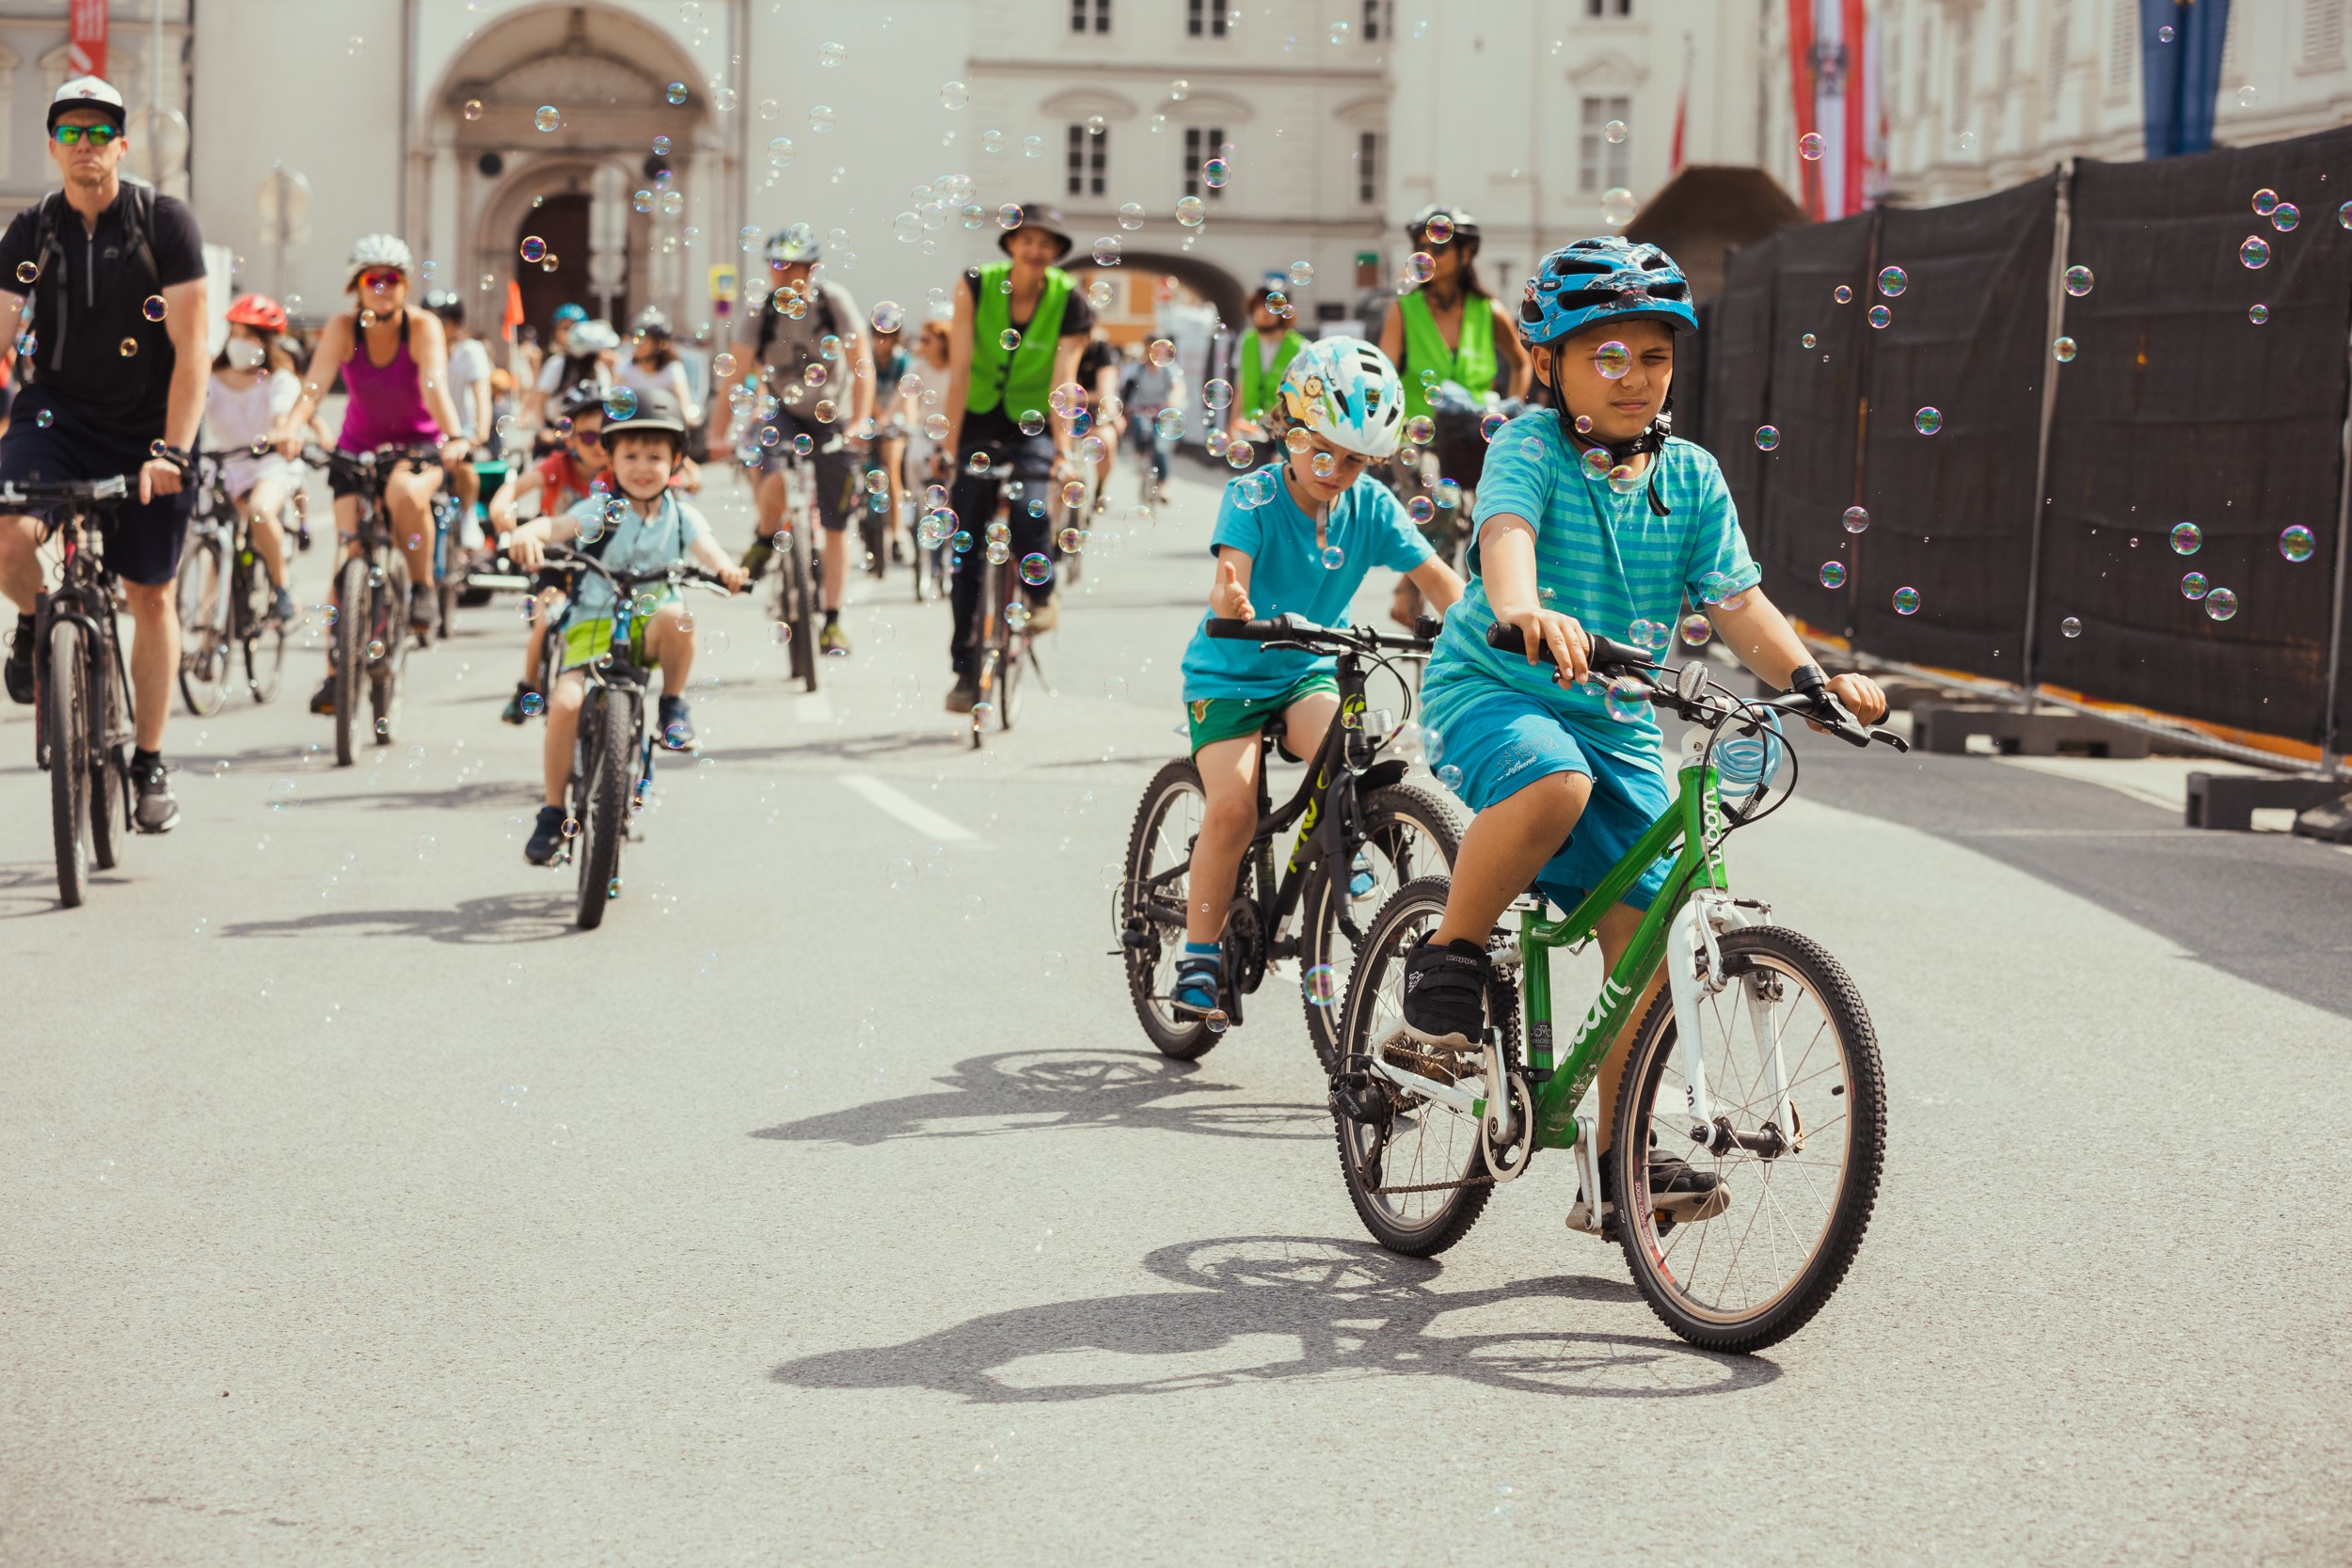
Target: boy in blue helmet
[[1591, 515]]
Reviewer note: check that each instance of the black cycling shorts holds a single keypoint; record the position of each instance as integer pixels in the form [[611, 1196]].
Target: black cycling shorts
[[143, 542], [840, 473]]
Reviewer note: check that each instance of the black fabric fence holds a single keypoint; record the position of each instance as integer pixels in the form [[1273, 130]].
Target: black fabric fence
[[2175, 407]]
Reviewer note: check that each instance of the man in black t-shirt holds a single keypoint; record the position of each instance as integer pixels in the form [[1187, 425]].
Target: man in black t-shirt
[[112, 274]]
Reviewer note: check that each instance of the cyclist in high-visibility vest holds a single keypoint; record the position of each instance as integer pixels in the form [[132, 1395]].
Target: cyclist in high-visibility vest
[[1259, 360], [1019, 328]]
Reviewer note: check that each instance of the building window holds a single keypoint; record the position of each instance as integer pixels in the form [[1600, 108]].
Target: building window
[[1089, 161], [1600, 164], [1201, 143], [2122, 46], [2061, 42], [2322, 32], [1368, 168], [1204, 18], [1608, 7], [1097, 12], [1377, 20]]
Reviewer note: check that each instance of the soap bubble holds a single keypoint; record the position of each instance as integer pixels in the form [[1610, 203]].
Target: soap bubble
[[1301, 273], [1215, 173], [1321, 986], [620, 404], [128, 348], [2186, 537], [1421, 508], [1808, 341], [473, 108], [2265, 202], [1842, 295], [533, 704], [954, 95], [1169, 424], [2078, 281], [1421, 430], [1008, 339], [831, 54], [1624, 480], [1106, 251], [1881, 315], [1613, 361], [2294, 542], [1832, 574], [1439, 230], [1856, 520], [1324, 465], [2255, 252], [1892, 281], [1696, 629], [2220, 603], [1218, 394], [1240, 455], [1333, 558], [2070, 626], [2193, 585], [2343, 215], [2063, 350], [1906, 601], [888, 316], [1491, 425], [1767, 438], [1192, 212], [1614, 132], [2166, 35], [1616, 207], [1162, 353], [1451, 777], [1626, 700], [154, 307], [1811, 145], [674, 92], [1036, 570], [533, 247], [1927, 422], [2258, 313], [2286, 217], [548, 117], [27, 272], [1419, 267]]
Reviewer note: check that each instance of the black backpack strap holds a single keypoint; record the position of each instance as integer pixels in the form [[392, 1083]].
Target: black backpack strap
[[142, 237], [49, 256]]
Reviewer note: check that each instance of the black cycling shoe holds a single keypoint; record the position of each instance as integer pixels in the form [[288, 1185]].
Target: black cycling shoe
[[1445, 1013], [676, 725], [525, 703], [323, 700], [20, 665], [157, 810], [547, 837]]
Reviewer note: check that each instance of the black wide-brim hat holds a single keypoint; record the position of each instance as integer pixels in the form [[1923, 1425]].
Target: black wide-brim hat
[[1045, 218]]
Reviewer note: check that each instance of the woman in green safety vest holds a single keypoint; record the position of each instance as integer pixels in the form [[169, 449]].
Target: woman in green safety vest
[[1019, 325], [1449, 329], [1259, 360]]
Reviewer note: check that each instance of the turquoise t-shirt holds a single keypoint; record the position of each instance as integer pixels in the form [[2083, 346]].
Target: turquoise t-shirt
[[1607, 560], [635, 544], [1288, 575]]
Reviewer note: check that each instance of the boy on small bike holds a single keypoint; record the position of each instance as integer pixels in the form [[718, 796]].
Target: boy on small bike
[[557, 483], [1590, 514], [646, 527], [1298, 538]]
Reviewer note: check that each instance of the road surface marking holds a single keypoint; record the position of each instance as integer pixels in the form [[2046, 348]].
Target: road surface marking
[[913, 812]]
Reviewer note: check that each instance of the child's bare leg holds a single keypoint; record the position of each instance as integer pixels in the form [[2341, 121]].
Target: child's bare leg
[[1505, 847], [563, 704], [1229, 777], [1306, 721], [670, 642]]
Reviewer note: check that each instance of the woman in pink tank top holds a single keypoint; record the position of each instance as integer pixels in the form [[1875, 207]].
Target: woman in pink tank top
[[394, 364]]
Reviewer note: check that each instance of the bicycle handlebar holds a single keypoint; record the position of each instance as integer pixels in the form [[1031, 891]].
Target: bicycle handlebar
[[1294, 628], [562, 556], [368, 465], [1607, 654], [93, 493]]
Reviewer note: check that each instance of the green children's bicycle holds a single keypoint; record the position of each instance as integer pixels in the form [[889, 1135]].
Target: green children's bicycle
[[1750, 1122]]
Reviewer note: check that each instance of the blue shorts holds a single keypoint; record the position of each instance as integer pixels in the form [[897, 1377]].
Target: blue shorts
[[1503, 740], [143, 542]]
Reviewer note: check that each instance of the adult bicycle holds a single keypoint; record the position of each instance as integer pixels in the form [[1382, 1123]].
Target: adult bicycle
[[613, 755], [225, 596], [1363, 832], [83, 719], [369, 652], [798, 607], [1749, 1127]]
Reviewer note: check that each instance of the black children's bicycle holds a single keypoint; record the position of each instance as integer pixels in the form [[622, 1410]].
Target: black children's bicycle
[[1362, 833], [613, 757], [370, 650], [82, 717], [225, 598]]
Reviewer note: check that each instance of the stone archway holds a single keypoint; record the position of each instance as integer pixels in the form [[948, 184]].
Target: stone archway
[[606, 71], [1212, 282]]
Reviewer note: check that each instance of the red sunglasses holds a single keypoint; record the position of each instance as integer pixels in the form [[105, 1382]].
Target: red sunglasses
[[381, 278]]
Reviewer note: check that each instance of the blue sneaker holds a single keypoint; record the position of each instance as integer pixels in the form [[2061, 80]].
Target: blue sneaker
[[677, 725], [1360, 881], [1199, 979]]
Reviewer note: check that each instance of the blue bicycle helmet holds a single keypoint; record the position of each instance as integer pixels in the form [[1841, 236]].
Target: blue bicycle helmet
[[1605, 279]]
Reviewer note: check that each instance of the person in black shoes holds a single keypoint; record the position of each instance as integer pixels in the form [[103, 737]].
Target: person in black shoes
[[108, 278]]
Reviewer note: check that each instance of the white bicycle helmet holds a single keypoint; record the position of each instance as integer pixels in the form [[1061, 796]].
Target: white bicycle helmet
[[595, 337], [1344, 391], [379, 250]]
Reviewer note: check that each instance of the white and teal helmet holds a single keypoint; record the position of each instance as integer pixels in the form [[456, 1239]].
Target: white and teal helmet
[[1344, 391]]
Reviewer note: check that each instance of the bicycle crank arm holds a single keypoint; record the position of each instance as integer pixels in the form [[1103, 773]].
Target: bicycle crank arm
[[1452, 1096]]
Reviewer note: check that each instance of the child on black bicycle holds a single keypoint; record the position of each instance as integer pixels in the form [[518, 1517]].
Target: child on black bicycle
[[556, 484], [1298, 538], [1590, 514], [648, 528]]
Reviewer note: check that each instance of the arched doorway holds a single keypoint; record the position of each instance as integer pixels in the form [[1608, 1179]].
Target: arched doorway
[[620, 216], [1212, 283]]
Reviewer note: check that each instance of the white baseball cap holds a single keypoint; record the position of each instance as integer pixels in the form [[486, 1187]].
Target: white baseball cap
[[87, 92]]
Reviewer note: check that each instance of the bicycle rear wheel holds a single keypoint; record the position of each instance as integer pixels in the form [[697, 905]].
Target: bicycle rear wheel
[[800, 601], [65, 730], [603, 808], [1415, 1168], [205, 625], [264, 639], [390, 661], [354, 611], [1749, 1263], [109, 768], [1408, 833], [1153, 889]]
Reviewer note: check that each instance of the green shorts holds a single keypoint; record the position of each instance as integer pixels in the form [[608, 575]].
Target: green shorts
[[1215, 719], [588, 640]]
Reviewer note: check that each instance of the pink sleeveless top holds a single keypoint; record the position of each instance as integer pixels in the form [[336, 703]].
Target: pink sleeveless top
[[387, 407]]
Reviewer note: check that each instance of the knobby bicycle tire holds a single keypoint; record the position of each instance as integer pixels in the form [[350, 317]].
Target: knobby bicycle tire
[[354, 610], [392, 617], [204, 625], [109, 730], [1325, 902], [1184, 1039], [604, 810], [802, 593], [1768, 949], [265, 640], [66, 726]]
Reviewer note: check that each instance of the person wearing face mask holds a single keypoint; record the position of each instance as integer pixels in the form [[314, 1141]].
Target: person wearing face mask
[[253, 387]]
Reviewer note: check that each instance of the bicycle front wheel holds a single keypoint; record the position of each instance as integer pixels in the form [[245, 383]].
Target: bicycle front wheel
[[1739, 1235], [64, 729], [604, 805], [109, 766], [1153, 887], [205, 625], [264, 639], [799, 599], [1408, 833], [388, 648], [1415, 1167], [354, 610]]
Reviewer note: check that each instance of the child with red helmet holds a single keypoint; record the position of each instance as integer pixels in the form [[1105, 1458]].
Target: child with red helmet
[[254, 384]]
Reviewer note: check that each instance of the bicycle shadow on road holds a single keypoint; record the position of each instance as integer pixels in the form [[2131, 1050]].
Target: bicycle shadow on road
[[1026, 1091], [1278, 1307], [505, 920]]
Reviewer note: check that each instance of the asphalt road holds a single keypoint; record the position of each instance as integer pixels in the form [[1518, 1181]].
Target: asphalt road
[[827, 1206]]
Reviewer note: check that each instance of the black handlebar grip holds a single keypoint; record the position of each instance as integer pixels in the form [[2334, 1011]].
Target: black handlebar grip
[[1606, 653], [1246, 631]]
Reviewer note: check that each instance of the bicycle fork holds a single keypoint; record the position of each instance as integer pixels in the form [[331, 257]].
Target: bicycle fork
[[1695, 970]]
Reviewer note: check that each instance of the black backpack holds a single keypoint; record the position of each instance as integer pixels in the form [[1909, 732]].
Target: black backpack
[[49, 255]]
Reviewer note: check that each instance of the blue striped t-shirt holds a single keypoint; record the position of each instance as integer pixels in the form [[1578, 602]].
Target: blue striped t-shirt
[[1605, 559]]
